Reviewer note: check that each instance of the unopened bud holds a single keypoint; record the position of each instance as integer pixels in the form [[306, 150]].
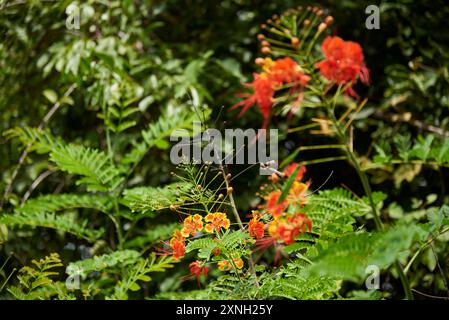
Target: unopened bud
[[274, 178], [329, 20], [263, 26], [322, 27], [174, 207], [295, 41], [306, 22], [230, 190], [266, 50], [265, 43], [260, 61], [260, 36]]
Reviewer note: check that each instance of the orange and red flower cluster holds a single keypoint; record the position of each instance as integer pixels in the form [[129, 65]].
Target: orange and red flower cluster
[[256, 228], [343, 63], [216, 221], [197, 268], [286, 226], [226, 265], [194, 224], [275, 74]]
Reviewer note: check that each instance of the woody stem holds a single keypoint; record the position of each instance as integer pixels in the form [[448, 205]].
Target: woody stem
[[239, 221], [367, 189]]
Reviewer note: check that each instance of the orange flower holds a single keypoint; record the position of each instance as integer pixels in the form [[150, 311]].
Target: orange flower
[[256, 228], [216, 221], [286, 70], [274, 75], [178, 245], [216, 251], [343, 62], [276, 209], [238, 263], [262, 96], [197, 268], [223, 265], [288, 171], [298, 193], [192, 224], [287, 229]]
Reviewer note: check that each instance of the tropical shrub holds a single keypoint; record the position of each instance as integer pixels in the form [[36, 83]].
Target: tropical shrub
[[93, 208]]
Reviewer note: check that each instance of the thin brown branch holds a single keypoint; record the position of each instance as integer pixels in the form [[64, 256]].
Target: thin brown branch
[[24, 154]]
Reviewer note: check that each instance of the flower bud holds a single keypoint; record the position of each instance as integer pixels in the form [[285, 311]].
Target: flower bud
[[260, 61], [260, 36], [230, 190], [329, 20], [265, 43], [306, 22], [274, 178], [295, 41], [266, 50], [322, 27]]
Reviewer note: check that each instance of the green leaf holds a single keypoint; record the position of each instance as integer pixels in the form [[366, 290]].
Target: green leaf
[[50, 95]]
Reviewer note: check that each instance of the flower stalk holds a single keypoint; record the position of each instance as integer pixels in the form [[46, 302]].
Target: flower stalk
[[366, 188]]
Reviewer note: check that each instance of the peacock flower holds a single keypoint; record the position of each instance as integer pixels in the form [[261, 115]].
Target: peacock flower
[[192, 224], [343, 63], [223, 265], [216, 221], [286, 229], [197, 268], [256, 228], [287, 71], [262, 95], [238, 263], [274, 208], [288, 171], [298, 193], [178, 245], [274, 75]]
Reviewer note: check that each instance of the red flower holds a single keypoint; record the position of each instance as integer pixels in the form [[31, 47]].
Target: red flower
[[276, 209], [287, 229], [256, 228], [343, 63], [275, 74], [178, 245], [286, 70], [288, 171], [263, 92], [197, 269]]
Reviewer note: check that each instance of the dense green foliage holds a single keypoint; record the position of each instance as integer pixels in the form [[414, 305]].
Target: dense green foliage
[[90, 198]]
